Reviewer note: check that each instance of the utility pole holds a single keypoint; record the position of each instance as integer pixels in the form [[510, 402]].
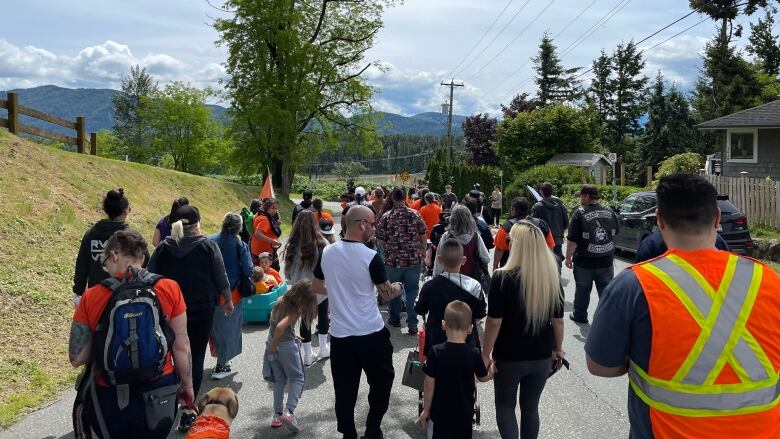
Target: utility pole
[[452, 86]]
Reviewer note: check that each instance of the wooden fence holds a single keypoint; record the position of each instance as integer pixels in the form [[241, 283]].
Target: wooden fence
[[16, 127], [758, 199]]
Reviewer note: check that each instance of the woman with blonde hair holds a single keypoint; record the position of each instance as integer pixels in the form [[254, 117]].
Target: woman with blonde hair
[[524, 329], [301, 253]]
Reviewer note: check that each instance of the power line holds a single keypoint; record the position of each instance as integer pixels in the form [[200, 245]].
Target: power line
[[494, 38], [481, 38], [515, 38], [593, 30], [511, 75], [374, 160]]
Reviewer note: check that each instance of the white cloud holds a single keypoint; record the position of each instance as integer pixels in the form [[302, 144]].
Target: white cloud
[[101, 65], [678, 60]]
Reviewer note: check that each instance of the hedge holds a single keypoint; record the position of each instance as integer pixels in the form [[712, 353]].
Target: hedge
[[461, 176], [557, 175]]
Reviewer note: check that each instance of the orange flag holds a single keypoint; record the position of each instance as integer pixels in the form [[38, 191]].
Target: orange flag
[[268, 189]]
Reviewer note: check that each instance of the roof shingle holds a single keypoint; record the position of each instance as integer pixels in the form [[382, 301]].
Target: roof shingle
[[765, 116]]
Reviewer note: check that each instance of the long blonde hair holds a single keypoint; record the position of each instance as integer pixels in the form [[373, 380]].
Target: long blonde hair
[[532, 260]]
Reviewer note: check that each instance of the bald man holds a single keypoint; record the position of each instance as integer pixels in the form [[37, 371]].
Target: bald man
[[351, 274]]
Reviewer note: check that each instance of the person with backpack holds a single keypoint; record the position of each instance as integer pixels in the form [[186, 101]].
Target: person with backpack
[[463, 229], [482, 225], [113, 394], [551, 210], [226, 330], [195, 262], [162, 229], [590, 249], [305, 204], [519, 212], [89, 272]]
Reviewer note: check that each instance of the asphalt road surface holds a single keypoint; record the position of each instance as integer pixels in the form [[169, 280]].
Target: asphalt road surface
[[574, 404]]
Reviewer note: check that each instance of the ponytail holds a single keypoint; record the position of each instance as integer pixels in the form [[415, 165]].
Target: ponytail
[[177, 231]]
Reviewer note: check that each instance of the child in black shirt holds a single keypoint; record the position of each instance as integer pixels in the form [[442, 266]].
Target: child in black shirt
[[449, 382]]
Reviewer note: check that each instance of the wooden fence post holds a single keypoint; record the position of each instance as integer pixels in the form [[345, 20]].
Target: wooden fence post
[[13, 113], [93, 143], [622, 174], [649, 175], [80, 134]]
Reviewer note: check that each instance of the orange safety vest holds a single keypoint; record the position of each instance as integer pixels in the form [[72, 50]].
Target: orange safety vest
[[715, 351]]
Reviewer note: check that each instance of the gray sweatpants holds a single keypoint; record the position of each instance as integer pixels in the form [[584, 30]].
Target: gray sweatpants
[[529, 377], [287, 368]]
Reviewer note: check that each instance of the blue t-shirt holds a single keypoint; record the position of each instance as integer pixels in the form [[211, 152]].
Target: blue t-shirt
[[622, 328], [653, 246]]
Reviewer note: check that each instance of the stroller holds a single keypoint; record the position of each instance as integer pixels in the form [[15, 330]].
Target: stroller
[[414, 376]]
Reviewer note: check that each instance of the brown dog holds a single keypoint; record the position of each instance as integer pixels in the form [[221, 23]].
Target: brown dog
[[217, 408]]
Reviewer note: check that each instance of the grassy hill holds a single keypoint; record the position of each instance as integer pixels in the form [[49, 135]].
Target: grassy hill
[[48, 199]]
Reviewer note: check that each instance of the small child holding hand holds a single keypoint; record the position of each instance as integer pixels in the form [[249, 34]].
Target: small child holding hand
[[282, 363], [449, 377]]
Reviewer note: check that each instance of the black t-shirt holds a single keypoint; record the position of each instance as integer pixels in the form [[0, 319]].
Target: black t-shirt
[[434, 297], [453, 366], [514, 343], [578, 228]]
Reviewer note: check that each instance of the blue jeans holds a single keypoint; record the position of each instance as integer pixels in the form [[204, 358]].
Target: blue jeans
[[410, 278], [583, 280]]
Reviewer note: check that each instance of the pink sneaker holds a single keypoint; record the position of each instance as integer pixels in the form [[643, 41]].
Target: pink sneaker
[[276, 422], [289, 421]]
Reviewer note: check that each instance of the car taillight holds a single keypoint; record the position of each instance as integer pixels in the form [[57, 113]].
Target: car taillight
[[742, 221]]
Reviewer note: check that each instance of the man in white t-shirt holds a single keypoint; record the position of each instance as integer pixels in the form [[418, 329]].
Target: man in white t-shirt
[[359, 340]]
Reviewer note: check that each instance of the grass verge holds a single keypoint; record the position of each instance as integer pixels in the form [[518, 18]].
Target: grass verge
[[48, 199]]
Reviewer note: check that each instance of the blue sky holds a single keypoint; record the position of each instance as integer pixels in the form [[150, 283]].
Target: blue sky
[[91, 43]]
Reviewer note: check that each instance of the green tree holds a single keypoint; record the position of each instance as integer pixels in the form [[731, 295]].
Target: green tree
[[600, 91], [530, 139], [520, 103], [628, 88], [689, 162], [295, 77], [480, 133], [556, 83], [186, 135], [349, 170], [133, 138], [764, 45]]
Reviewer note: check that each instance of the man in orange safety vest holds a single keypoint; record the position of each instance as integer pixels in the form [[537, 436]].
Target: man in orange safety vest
[[697, 329]]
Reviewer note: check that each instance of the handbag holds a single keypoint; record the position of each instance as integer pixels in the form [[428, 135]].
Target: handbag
[[413, 376], [160, 406], [246, 287]]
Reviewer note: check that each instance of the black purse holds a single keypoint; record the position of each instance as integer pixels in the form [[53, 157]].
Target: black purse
[[246, 288]]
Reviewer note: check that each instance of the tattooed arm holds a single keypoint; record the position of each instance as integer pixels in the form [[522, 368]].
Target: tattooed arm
[[80, 344], [182, 358]]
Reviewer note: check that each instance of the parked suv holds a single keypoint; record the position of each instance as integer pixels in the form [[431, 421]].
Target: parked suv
[[636, 215]]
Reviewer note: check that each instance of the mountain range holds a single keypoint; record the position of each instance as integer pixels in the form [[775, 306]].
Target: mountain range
[[95, 105]]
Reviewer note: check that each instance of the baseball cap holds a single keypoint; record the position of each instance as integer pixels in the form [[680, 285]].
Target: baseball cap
[[326, 226], [187, 214], [265, 255], [590, 190], [360, 190]]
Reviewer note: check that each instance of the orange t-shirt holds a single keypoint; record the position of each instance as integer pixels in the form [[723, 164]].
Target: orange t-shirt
[[262, 224], [324, 214], [430, 216], [501, 235], [95, 299], [274, 273], [416, 204]]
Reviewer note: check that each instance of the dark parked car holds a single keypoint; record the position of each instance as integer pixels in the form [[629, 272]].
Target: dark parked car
[[636, 215]]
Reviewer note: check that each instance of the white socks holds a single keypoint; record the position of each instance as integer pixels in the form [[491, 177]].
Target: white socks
[[324, 349], [308, 354]]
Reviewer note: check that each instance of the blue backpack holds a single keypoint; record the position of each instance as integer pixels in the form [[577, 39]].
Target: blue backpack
[[132, 338]]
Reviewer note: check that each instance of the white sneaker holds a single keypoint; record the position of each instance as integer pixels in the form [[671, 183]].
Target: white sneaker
[[324, 348], [309, 359], [291, 422], [220, 372]]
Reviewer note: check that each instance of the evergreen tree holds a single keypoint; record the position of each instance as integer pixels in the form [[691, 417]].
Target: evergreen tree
[[556, 83], [480, 133], [601, 87], [131, 128], [627, 87], [521, 103], [763, 44]]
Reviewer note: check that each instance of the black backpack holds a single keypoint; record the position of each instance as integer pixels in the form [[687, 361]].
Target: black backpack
[[132, 338], [507, 226]]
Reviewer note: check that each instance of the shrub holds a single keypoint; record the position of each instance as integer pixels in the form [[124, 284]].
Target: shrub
[[460, 176], [557, 175], [569, 194], [325, 190], [689, 162]]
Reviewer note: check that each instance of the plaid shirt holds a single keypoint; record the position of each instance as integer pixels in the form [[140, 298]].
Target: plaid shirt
[[400, 230]]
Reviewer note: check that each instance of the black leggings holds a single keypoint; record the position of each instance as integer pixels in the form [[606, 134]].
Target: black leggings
[[323, 322], [199, 330], [529, 377]]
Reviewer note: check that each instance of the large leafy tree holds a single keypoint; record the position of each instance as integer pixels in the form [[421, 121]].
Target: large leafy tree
[[532, 138], [480, 133], [764, 45], [521, 103], [556, 83], [186, 134], [131, 129], [295, 78]]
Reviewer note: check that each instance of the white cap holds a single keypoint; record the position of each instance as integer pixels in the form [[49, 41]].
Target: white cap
[[360, 190]]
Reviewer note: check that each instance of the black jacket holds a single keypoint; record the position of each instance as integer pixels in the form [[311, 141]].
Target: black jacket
[[89, 272], [195, 263], [553, 212], [300, 207]]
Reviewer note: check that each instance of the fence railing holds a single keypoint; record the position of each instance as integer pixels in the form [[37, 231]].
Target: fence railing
[[758, 199], [16, 127]]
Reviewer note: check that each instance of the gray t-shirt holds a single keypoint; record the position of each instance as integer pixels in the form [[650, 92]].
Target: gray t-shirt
[[622, 328], [289, 331]]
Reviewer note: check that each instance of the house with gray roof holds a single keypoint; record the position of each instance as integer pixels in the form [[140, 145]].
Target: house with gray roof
[[594, 164], [749, 141]]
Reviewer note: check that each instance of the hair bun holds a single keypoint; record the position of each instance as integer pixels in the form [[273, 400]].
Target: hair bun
[[116, 194]]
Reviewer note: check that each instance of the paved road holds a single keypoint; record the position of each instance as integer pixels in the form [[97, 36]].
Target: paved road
[[574, 404]]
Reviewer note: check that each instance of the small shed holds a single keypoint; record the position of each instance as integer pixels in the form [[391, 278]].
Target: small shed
[[749, 141], [596, 165]]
